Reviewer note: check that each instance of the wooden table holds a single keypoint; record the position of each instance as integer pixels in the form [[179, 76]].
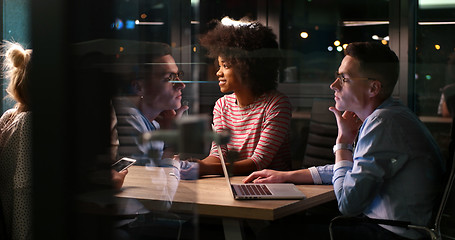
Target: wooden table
[[210, 196]]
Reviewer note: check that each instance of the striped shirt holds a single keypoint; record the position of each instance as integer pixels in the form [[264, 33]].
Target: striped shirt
[[259, 131]]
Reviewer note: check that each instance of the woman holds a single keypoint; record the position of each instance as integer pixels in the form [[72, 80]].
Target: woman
[[15, 144], [256, 114]]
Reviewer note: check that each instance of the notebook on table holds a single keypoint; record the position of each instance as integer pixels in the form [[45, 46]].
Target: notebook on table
[[260, 191]]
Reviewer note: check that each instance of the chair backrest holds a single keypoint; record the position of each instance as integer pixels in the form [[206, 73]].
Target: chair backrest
[[446, 220], [322, 134], [445, 217]]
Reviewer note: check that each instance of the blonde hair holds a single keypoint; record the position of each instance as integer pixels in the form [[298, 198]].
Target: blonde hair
[[16, 61]]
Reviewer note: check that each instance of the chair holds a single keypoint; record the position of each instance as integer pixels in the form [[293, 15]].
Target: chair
[[322, 134], [442, 223]]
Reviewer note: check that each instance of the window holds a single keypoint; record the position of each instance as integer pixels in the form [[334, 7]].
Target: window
[[15, 27], [435, 54], [313, 35]]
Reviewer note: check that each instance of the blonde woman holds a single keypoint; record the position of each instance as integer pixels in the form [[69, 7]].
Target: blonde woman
[[15, 144]]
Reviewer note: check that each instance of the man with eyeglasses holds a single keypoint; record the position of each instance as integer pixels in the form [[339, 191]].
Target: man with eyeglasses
[[153, 92], [150, 89], [394, 170]]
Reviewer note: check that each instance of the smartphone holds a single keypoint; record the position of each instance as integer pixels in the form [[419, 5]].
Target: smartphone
[[123, 163]]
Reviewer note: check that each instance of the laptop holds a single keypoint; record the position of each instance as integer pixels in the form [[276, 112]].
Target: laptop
[[260, 191]]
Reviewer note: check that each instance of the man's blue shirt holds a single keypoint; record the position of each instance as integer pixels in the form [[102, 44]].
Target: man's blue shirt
[[130, 127], [396, 170]]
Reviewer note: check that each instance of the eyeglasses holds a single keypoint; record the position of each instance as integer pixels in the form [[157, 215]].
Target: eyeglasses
[[345, 80], [174, 76]]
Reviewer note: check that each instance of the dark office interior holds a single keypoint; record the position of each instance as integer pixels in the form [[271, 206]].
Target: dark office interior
[[73, 84]]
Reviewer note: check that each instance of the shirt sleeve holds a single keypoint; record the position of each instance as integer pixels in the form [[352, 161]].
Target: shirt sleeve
[[275, 131], [378, 155], [217, 112], [322, 174]]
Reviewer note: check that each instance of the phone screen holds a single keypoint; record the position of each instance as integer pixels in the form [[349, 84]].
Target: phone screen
[[122, 164]]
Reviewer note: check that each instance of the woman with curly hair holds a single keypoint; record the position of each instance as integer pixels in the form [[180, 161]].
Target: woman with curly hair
[[254, 112], [15, 145]]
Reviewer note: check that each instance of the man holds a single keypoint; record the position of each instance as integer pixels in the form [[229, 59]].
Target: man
[[151, 99], [154, 79], [394, 170]]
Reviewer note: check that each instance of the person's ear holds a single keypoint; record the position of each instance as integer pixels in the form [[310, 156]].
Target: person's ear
[[138, 87], [375, 88]]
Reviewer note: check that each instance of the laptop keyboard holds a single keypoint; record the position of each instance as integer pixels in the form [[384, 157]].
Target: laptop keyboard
[[254, 189]]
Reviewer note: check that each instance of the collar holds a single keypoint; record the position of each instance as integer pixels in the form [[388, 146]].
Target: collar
[[388, 102]]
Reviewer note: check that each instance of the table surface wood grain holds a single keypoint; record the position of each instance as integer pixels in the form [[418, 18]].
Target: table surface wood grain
[[210, 196]]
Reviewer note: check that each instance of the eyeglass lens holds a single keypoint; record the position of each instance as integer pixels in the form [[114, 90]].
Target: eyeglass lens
[[174, 76], [340, 76]]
